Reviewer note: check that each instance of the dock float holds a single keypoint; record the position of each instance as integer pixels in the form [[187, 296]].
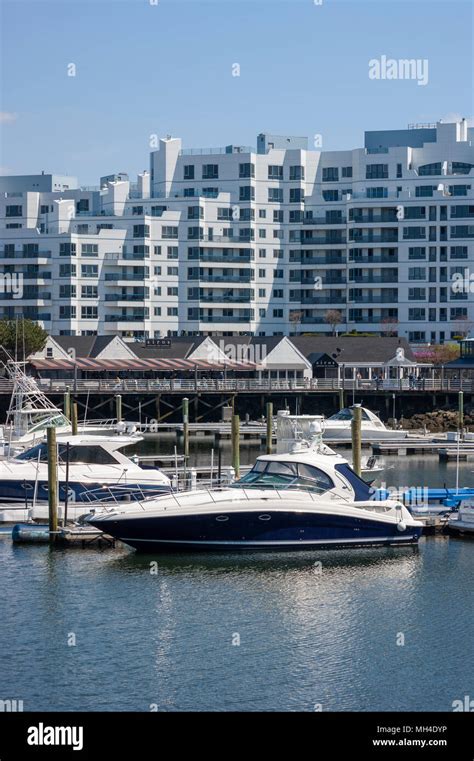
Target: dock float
[[69, 536]]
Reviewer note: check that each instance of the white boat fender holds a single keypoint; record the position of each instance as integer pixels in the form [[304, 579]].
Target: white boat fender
[[401, 526]]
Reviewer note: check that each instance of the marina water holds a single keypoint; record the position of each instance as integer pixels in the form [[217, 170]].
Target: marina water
[[369, 629]]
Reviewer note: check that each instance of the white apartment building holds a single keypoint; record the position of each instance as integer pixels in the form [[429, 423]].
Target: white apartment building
[[252, 241]]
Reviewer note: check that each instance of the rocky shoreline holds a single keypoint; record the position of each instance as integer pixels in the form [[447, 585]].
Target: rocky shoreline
[[438, 421]]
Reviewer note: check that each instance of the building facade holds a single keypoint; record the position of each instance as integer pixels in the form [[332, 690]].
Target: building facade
[[264, 241]]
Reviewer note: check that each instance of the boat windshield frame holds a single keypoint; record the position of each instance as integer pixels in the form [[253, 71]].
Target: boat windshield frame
[[261, 477]]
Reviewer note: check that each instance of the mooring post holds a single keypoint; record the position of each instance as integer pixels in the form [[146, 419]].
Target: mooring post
[[356, 438], [52, 484], [236, 445], [74, 419], [185, 409], [118, 407], [461, 410], [341, 398], [67, 404], [269, 426]]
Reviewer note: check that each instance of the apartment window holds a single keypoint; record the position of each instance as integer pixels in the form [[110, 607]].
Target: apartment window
[[89, 270], [417, 252], [330, 174], [172, 311], [173, 271], [429, 169], [278, 234], [459, 190], [262, 293], [417, 294], [262, 233], [458, 252], [67, 291], [138, 210], [172, 252], [458, 313], [378, 192], [346, 171], [262, 312], [157, 291], [262, 213], [417, 313], [278, 312], [188, 193], [275, 172], [89, 313], [399, 171], [296, 173], [296, 216], [247, 215], [157, 270], [13, 211], [157, 311], [224, 214], [67, 249], [195, 212], [460, 167], [90, 249], [188, 172], [246, 170], [417, 273], [296, 195], [246, 193], [262, 253], [157, 211], [157, 250], [210, 171], [44, 209], [424, 191], [262, 273], [172, 291], [416, 336], [168, 232], [67, 270], [414, 233], [67, 312], [141, 231], [84, 229], [376, 172], [331, 195], [275, 195], [278, 274], [278, 293], [210, 192], [89, 292]]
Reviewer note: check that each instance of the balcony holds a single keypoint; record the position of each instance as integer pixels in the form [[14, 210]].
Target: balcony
[[312, 241], [307, 260], [222, 257], [223, 278], [371, 298], [34, 255], [375, 279], [375, 238], [376, 218], [223, 299], [224, 239], [321, 300], [125, 318], [125, 297], [376, 259], [324, 221], [221, 318], [325, 281]]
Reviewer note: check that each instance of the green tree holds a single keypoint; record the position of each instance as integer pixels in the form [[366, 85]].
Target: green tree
[[20, 338]]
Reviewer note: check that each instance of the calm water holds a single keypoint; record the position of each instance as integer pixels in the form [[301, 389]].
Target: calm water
[[306, 637]]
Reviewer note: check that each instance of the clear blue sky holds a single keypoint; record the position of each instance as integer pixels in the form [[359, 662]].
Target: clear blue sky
[[166, 69]]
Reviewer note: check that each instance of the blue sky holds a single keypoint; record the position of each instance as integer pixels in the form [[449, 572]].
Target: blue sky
[[144, 69]]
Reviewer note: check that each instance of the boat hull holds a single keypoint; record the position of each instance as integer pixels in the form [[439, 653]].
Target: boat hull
[[244, 530]]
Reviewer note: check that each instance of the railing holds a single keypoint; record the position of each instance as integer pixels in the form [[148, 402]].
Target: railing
[[213, 385]]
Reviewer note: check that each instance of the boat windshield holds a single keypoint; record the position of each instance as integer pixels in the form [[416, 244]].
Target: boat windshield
[[346, 414], [94, 455], [41, 423], [285, 475]]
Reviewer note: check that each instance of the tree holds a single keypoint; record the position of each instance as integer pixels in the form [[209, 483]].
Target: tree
[[443, 353], [333, 318], [390, 326], [20, 338], [462, 326], [295, 319]]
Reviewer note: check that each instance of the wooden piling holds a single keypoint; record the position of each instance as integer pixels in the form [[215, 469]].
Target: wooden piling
[[118, 407], [356, 425], [74, 419], [341, 399], [67, 404], [461, 410], [269, 426], [185, 409], [236, 445], [52, 484]]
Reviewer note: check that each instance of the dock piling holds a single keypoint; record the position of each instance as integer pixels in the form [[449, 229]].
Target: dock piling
[[356, 438], [185, 409], [341, 399], [118, 407], [236, 445], [461, 411], [67, 404], [74, 419], [52, 484], [269, 426]]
